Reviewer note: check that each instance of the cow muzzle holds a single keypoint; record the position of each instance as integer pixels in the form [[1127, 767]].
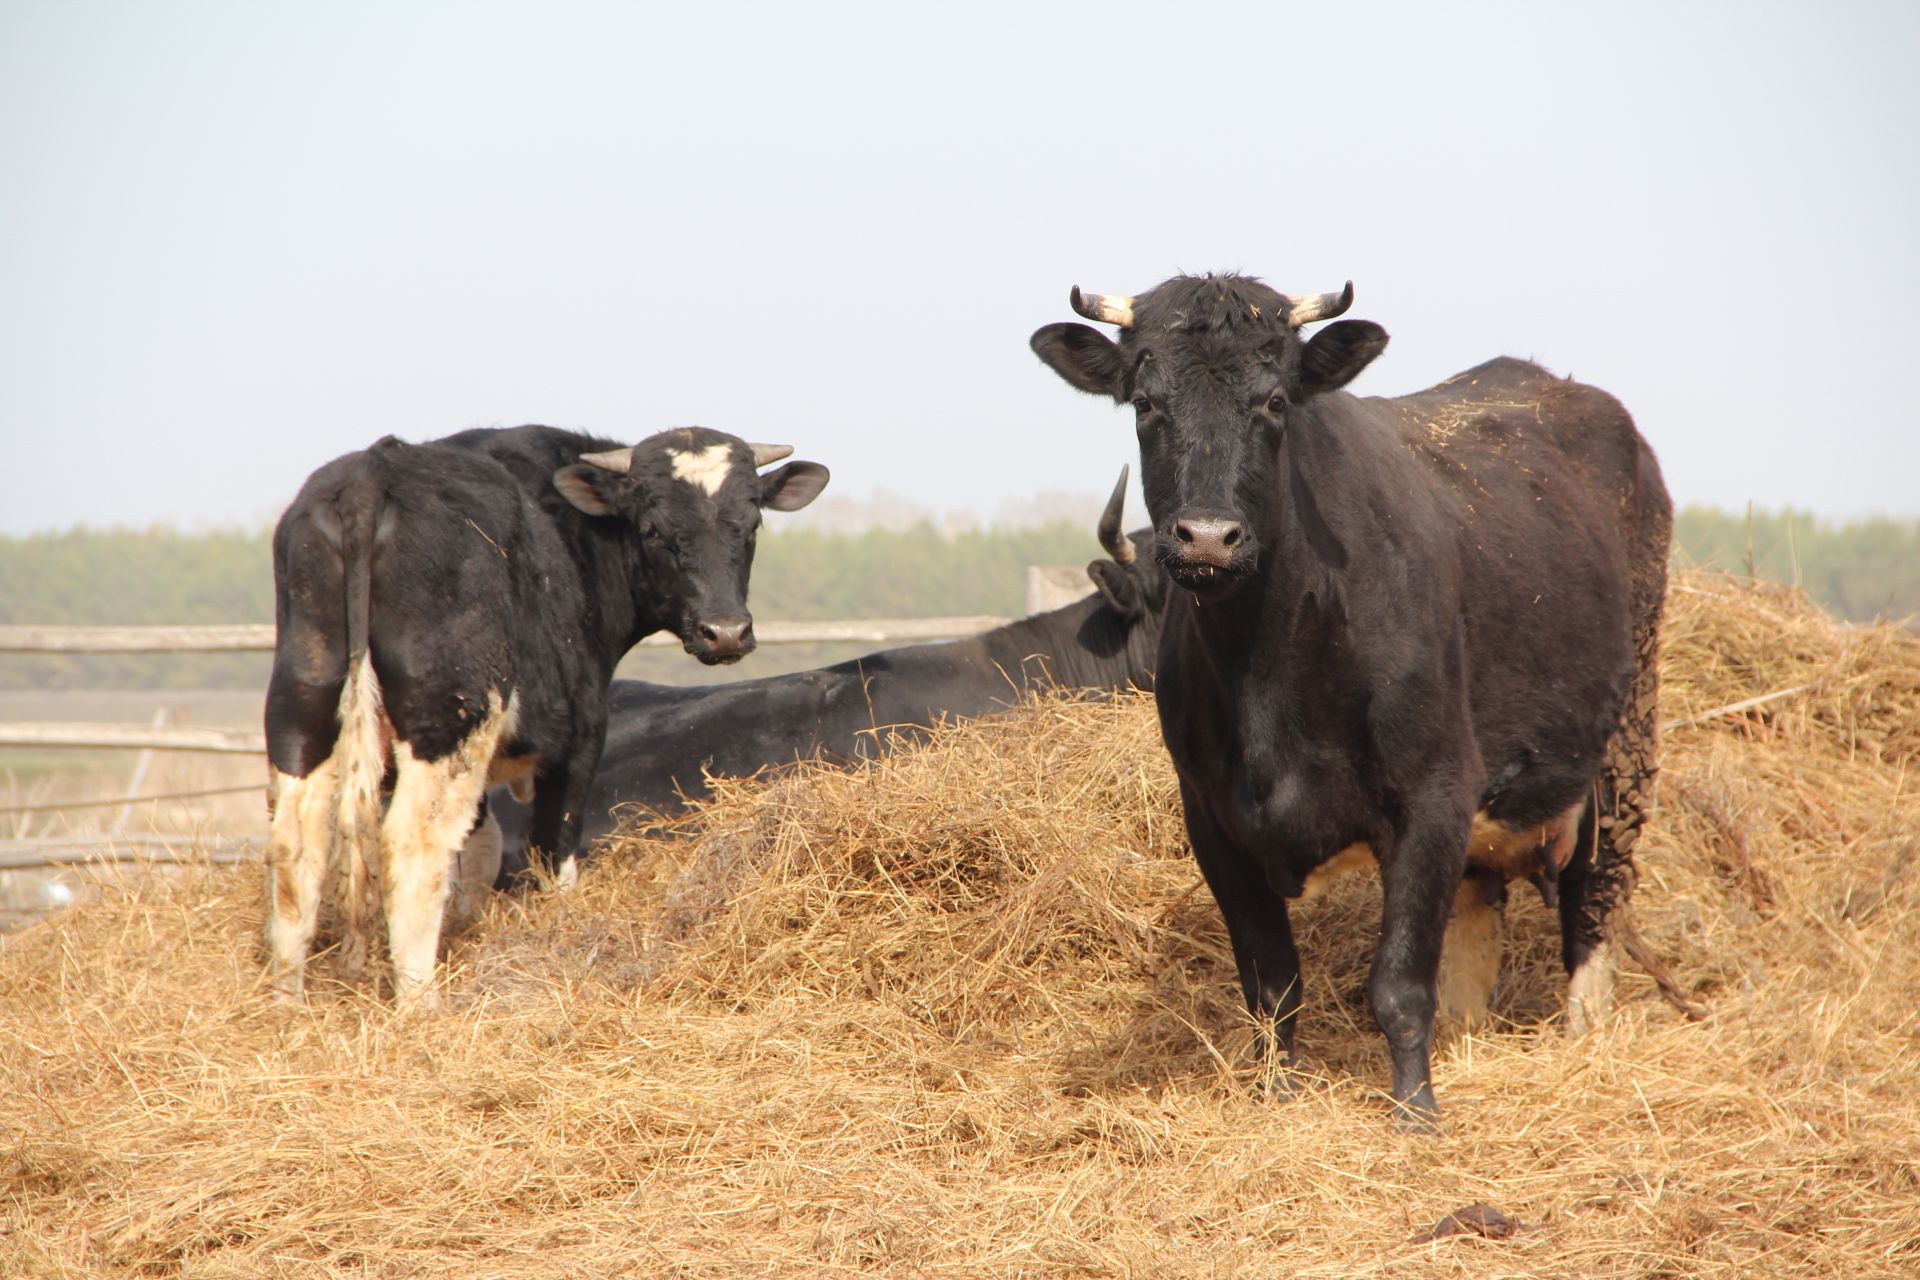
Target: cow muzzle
[[720, 639], [1206, 552]]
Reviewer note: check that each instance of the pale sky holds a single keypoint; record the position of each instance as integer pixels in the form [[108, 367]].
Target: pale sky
[[238, 239]]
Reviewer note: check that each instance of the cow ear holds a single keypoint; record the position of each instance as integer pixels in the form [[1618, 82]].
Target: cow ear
[[1338, 353], [1085, 357], [1117, 587], [793, 486], [581, 485]]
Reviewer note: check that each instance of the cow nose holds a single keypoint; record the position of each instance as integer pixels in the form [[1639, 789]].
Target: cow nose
[[729, 637], [1209, 539]]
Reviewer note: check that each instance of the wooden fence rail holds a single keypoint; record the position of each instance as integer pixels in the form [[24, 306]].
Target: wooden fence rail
[[133, 737], [258, 637]]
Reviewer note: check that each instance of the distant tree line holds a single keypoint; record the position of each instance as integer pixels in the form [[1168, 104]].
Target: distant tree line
[[1859, 569], [163, 575]]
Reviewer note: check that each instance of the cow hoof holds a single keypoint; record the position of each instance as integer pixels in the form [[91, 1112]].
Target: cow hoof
[[1276, 1084], [1418, 1115]]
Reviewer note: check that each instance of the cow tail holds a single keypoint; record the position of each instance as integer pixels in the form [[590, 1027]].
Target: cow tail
[[362, 744], [1624, 793]]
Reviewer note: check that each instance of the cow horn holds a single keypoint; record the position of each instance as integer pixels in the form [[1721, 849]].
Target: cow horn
[[1117, 544], [1101, 307], [766, 453], [618, 461], [1309, 307]]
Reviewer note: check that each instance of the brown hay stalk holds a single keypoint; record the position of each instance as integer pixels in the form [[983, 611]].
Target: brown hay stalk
[[968, 1012]]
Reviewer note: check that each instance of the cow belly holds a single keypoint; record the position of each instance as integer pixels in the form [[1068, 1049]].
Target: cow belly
[[1470, 951], [1513, 853], [516, 772], [1518, 852]]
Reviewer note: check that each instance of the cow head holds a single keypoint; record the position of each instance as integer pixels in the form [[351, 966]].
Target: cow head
[[692, 500], [1134, 586], [1215, 369]]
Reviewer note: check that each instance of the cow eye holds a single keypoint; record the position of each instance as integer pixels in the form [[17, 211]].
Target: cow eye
[[1277, 403], [1142, 406], [651, 532]]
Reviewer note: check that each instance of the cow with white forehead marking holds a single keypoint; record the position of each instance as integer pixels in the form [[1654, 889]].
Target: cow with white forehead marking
[[450, 614], [1417, 631]]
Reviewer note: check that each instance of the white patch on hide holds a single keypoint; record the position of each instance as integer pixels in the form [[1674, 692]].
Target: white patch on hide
[[432, 810], [706, 469], [1590, 990], [299, 834]]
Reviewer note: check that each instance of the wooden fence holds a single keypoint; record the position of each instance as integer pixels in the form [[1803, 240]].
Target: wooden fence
[[1047, 587], [258, 638]]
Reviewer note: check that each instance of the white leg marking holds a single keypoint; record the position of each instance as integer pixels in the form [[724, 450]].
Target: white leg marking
[[567, 874], [705, 469], [1590, 991], [299, 834], [1470, 956], [433, 807]]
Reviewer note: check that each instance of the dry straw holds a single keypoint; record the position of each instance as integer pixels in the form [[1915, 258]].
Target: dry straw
[[969, 1012]]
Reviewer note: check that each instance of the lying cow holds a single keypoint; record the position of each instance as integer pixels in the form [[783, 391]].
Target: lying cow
[[662, 742], [452, 612], [1420, 631]]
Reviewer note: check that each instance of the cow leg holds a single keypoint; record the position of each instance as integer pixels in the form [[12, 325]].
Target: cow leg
[[1593, 886], [1419, 883], [476, 867], [1470, 957], [1257, 925], [435, 805], [303, 707], [559, 812], [299, 833]]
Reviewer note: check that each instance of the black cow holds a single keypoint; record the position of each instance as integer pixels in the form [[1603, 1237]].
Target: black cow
[[1420, 630], [452, 613], [662, 742]]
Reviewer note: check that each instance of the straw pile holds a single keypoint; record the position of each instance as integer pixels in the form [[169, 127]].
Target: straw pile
[[969, 1012]]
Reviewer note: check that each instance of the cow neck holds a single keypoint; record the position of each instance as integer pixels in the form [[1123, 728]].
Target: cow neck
[[618, 589], [1301, 582], [635, 617]]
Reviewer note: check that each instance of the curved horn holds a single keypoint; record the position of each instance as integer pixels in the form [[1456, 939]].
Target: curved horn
[[1117, 544], [765, 453], [1106, 309], [618, 461], [1309, 307]]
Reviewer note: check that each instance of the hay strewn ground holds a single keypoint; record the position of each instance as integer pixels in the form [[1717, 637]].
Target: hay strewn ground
[[970, 1013]]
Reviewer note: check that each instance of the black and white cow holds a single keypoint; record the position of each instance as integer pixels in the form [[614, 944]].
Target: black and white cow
[[1419, 631], [663, 742], [450, 614]]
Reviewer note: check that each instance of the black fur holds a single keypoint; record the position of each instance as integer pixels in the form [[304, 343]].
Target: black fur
[[483, 578], [1440, 603]]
